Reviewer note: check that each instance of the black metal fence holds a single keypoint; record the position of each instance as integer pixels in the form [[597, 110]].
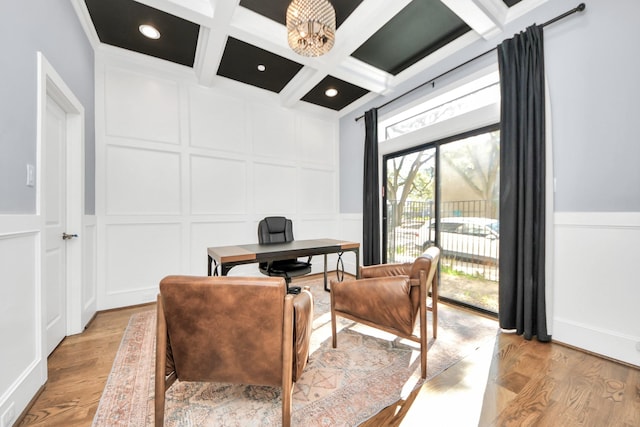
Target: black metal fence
[[469, 234]]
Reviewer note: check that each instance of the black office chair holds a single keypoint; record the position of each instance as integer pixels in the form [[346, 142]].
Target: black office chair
[[278, 229]]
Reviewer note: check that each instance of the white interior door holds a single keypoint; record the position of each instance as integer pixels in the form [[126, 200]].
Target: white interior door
[[54, 208]]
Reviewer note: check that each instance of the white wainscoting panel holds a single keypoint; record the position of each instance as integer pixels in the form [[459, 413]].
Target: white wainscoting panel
[[18, 302], [217, 121], [272, 132], [319, 227], [89, 258], [56, 284], [24, 370], [314, 140], [141, 106], [142, 181], [351, 227], [210, 234], [274, 189], [218, 186], [596, 286], [317, 189], [138, 256]]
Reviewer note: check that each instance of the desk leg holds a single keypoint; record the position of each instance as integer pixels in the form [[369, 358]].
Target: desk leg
[[325, 273], [340, 267], [340, 264], [224, 269], [212, 269]]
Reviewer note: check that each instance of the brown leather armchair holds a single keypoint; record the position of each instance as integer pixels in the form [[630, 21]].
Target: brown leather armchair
[[391, 297], [244, 330]]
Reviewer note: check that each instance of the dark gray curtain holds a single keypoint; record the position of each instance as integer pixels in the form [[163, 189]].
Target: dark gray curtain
[[522, 185], [371, 192]]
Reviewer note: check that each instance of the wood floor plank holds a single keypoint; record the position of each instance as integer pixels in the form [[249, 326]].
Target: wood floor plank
[[568, 388], [77, 372], [506, 382], [454, 397]]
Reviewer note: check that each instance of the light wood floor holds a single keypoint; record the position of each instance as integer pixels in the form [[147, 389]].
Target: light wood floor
[[78, 371], [509, 382], [514, 382]]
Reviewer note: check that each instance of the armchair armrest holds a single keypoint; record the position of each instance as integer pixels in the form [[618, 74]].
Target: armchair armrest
[[302, 328]]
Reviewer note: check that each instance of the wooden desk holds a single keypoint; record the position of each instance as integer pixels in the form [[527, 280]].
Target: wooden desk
[[227, 257]]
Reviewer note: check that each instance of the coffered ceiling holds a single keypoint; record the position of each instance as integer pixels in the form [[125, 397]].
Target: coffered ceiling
[[379, 43]]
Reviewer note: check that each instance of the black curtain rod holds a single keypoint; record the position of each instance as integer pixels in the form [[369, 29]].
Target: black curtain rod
[[578, 8]]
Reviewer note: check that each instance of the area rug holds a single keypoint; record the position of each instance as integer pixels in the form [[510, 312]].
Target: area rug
[[368, 371]]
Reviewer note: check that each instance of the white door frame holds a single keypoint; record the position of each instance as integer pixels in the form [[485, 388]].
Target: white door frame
[[51, 84]]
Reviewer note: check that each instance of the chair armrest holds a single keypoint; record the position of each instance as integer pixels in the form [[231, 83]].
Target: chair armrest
[[302, 328], [382, 270]]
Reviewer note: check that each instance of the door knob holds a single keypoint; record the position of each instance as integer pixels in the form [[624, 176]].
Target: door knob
[[66, 236]]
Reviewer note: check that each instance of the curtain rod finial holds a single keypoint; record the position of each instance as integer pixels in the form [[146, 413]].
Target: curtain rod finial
[[581, 7]]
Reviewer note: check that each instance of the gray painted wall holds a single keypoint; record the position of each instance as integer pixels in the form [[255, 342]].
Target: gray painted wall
[[592, 77], [51, 27]]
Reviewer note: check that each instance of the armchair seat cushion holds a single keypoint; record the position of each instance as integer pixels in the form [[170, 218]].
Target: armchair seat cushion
[[382, 301]]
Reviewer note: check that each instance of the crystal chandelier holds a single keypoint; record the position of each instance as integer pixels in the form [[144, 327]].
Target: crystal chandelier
[[311, 27]]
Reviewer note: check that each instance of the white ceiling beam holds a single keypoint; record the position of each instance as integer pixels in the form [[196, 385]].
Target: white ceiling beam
[[350, 70], [265, 33], [211, 42], [474, 16], [361, 74], [208, 56], [494, 8], [197, 11], [305, 80], [365, 21], [522, 8]]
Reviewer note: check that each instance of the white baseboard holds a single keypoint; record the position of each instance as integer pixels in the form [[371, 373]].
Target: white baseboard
[[24, 388], [605, 342]]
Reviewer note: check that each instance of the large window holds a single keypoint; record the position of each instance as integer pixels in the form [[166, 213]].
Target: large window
[[465, 98], [445, 193]]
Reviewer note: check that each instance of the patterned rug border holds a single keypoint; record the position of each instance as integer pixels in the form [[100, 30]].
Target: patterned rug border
[[127, 399]]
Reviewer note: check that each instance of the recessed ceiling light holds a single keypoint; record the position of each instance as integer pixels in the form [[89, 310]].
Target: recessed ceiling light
[[261, 67], [149, 31], [331, 92]]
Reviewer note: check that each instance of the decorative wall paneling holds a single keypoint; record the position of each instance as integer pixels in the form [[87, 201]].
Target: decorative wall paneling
[[24, 369], [180, 167], [596, 292], [88, 292], [21, 305]]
